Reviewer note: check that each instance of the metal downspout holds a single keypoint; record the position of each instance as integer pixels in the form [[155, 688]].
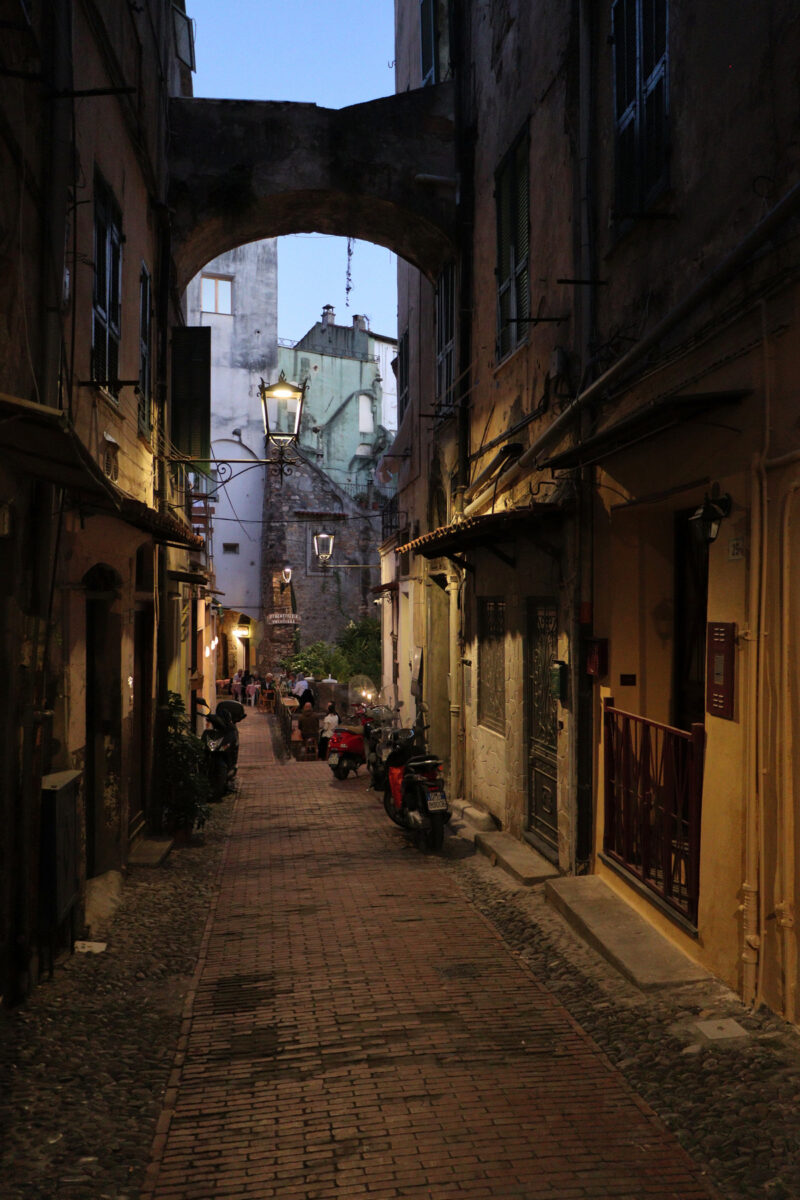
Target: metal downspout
[[785, 790], [584, 754]]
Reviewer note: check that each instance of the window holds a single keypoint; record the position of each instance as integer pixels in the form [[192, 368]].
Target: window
[[366, 420], [513, 294], [184, 37], [145, 357], [491, 662], [429, 65], [107, 287], [216, 294], [402, 376], [641, 103], [230, 547], [445, 338]]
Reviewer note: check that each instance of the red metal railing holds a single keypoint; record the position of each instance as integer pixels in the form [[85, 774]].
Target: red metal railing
[[653, 799]]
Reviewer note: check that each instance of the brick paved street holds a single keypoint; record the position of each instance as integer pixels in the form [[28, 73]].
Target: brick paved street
[[356, 1029]]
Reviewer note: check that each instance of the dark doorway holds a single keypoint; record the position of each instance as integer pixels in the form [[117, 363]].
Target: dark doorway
[[542, 728], [691, 604], [142, 730], [103, 720]]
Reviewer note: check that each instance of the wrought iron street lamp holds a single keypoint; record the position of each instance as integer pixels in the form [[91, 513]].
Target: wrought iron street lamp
[[323, 548], [282, 410]]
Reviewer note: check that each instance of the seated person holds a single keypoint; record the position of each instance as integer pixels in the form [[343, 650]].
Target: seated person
[[309, 723]]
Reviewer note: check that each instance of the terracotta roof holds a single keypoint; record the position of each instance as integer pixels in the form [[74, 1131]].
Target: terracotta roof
[[480, 530]]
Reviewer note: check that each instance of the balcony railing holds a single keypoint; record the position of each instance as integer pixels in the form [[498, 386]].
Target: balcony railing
[[653, 799]]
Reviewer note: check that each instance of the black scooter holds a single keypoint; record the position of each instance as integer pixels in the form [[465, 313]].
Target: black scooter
[[221, 742], [378, 744], [414, 796]]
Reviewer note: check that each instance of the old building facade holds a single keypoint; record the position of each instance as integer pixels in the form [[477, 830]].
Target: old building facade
[[102, 608], [593, 591], [235, 296]]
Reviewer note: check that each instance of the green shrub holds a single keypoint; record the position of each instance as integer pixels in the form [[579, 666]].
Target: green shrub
[[185, 787]]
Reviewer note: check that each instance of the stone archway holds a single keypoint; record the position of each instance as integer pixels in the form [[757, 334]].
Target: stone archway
[[383, 172]]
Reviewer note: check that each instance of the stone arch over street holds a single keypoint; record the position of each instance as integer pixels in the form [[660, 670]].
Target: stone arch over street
[[382, 172]]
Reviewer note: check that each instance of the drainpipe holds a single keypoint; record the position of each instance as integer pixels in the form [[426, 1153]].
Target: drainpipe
[[582, 618], [751, 941], [753, 902], [785, 789], [456, 766]]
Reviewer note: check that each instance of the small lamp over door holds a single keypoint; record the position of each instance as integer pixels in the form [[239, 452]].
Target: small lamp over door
[[709, 516]]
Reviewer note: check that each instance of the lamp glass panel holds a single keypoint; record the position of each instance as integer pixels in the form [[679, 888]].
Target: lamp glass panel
[[283, 417]]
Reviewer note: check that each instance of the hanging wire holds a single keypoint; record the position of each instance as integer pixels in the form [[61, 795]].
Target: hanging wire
[[348, 286]]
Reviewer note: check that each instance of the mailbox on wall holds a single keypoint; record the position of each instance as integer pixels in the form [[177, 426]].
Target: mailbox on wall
[[720, 672]]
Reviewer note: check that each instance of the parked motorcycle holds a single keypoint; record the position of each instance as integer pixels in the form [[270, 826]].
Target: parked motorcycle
[[414, 796], [378, 744], [346, 748], [221, 743]]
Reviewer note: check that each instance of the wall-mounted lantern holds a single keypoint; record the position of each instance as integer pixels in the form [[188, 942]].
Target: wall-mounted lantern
[[709, 516], [323, 547], [286, 575]]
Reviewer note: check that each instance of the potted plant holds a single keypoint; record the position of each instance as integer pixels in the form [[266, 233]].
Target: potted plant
[[185, 786]]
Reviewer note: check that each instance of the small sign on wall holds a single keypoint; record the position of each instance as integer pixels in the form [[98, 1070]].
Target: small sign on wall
[[721, 649]]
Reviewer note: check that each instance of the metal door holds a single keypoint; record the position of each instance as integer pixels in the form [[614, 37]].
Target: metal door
[[542, 816]]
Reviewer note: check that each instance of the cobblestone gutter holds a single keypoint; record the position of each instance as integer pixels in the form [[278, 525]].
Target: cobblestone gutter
[[84, 1062], [733, 1102]]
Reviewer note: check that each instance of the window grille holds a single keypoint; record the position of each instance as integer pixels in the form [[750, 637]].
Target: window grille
[[491, 662], [513, 242], [106, 307], [641, 96], [230, 547]]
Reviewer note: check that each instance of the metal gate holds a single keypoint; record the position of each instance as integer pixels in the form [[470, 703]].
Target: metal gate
[[542, 727]]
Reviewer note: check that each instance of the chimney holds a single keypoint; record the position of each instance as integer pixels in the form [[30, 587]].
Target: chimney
[[328, 314], [360, 323]]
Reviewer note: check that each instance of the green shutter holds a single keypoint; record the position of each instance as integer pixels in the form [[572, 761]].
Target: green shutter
[[191, 393]]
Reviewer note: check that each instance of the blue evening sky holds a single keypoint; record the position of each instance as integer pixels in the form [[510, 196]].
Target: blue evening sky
[[327, 52]]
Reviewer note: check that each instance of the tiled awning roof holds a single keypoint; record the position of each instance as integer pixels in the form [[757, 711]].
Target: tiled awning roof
[[484, 530]]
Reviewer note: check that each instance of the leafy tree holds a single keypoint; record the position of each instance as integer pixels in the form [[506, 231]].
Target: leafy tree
[[357, 651]]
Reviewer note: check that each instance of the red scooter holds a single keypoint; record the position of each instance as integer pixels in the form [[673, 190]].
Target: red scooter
[[347, 745], [414, 796]]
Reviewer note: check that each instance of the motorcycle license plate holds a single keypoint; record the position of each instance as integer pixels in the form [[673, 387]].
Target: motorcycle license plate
[[333, 758], [437, 802]]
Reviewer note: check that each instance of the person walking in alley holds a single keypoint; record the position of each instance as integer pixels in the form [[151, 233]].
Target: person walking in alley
[[329, 723]]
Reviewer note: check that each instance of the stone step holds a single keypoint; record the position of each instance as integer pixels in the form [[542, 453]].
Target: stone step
[[515, 857], [623, 937]]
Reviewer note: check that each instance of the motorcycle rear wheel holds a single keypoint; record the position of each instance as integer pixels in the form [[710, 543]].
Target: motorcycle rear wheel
[[436, 832], [388, 804], [219, 777], [342, 768]]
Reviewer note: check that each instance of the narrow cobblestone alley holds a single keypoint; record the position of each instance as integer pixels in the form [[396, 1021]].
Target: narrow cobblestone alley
[[359, 1019], [357, 1029]]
